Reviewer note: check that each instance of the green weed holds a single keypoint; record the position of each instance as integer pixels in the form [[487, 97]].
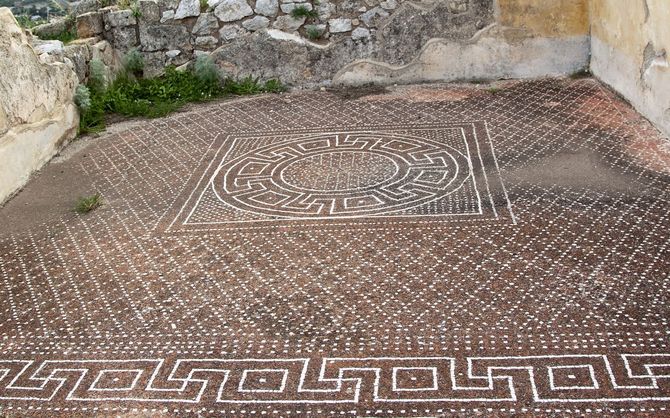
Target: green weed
[[134, 62], [156, 97], [135, 9], [312, 32], [88, 203], [303, 11], [274, 86]]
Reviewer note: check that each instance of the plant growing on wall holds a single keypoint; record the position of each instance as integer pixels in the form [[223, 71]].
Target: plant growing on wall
[[302, 11], [134, 63], [313, 32], [96, 80], [82, 98], [135, 9]]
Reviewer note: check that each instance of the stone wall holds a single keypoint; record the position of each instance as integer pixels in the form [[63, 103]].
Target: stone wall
[[262, 39], [37, 113], [630, 52], [353, 41], [525, 39]]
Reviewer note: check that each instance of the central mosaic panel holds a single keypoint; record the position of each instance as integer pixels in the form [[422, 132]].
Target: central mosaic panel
[[274, 180]]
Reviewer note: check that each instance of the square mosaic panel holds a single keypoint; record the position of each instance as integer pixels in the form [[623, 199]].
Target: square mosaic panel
[[348, 177]]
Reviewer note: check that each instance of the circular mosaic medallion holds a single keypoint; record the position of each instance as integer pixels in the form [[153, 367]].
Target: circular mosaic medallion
[[339, 171], [341, 175]]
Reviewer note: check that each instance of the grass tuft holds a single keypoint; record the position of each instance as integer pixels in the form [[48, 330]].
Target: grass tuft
[[303, 11], [583, 73], [135, 8], [274, 86], [312, 32], [88, 203]]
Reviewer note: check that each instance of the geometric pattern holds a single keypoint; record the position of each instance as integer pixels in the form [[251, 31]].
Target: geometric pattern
[[337, 380], [429, 172], [252, 307]]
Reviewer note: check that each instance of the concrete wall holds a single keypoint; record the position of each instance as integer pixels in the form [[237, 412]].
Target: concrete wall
[[546, 18], [629, 52], [528, 38], [37, 113]]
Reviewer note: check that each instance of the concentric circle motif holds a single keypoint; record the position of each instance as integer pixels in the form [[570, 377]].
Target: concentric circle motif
[[333, 175]]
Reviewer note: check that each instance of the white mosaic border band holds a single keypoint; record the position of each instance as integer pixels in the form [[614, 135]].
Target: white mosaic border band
[[546, 379]]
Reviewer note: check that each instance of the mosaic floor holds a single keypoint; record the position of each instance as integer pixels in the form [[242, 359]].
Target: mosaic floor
[[431, 250]]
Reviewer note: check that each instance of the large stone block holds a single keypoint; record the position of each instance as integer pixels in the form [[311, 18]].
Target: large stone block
[[86, 6], [37, 112], [110, 57], [232, 10], [154, 63], [257, 23], [206, 24], [187, 8], [123, 38], [287, 23], [150, 11], [119, 19], [267, 8], [206, 42], [79, 55], [230, 32], [89, 25], [50, 29], [339, 25], [165, 37]]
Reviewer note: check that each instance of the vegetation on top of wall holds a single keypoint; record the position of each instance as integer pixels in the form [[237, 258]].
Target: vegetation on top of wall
[[312, 32], [303, 11], [66, 36], [27, 23], [131, 96]]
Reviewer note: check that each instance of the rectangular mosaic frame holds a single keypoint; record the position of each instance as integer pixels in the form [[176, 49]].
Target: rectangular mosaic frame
[[493, 201]]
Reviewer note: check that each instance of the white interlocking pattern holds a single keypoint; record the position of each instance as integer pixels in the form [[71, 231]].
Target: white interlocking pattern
[[388, 173], [339, 380]]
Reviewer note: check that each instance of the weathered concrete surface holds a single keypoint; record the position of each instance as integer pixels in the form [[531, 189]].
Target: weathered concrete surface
[[554, 18], [630, 53], [37, 114], [492, 54], [529, 38]]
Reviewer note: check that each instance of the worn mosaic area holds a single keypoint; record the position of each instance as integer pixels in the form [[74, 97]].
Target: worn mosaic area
[[410, 173], [423, 251]]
